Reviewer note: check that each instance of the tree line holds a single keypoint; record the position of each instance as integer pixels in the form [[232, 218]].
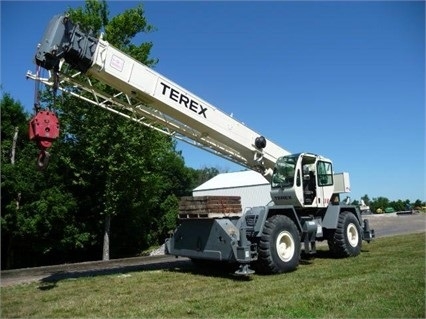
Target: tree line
[[382, 204], [112, 186]]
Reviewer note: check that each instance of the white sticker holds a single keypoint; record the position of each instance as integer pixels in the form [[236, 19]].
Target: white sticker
[[117, 63]]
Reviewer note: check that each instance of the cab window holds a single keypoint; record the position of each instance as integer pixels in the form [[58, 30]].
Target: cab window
[[325, 173], [284, 170]]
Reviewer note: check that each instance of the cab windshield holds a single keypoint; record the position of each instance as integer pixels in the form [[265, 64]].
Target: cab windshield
[[284, 170]]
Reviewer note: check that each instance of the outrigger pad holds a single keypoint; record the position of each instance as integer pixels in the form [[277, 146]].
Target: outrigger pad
[[244, 270]]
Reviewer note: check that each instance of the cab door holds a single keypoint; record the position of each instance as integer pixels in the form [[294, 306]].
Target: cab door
[[308, 178], [324, 182]]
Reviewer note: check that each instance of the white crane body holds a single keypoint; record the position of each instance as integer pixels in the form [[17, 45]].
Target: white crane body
[[304, 188]]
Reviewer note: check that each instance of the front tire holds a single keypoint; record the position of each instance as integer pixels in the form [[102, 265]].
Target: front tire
[[346, 240], [279, 246]]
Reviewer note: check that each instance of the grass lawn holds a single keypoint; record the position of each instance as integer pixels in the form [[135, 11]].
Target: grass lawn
[[386, 281]]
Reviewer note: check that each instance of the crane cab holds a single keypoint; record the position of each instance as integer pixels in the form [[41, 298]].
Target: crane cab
[[302, 180]]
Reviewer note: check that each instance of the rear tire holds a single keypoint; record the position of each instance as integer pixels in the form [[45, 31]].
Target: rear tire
[[346, 240], [279, 246]]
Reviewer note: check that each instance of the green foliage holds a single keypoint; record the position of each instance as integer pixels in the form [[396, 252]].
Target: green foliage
[[116, 167], [382, 204], [205, 174], [418, 204], [355, 203], [366, 199], [119, 32], [379, 203], [400, 205], [13, 118], [37, 221], [92, 17], [168, 221]]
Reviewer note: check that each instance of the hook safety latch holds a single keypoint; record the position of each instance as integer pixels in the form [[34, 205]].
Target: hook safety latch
[[44, 129]]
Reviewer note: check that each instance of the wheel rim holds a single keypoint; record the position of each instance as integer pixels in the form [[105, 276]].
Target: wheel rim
[[285, 246], [352, 234]]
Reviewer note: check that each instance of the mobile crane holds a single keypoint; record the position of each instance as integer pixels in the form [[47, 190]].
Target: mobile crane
[[304, 189]]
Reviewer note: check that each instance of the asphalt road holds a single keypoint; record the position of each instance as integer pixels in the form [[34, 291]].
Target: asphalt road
[[383, 225], [394, 224]]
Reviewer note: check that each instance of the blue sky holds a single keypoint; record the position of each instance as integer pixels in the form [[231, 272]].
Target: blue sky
[[342, 79]]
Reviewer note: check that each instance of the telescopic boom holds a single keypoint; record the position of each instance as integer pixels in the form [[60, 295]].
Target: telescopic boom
[[76, 58]]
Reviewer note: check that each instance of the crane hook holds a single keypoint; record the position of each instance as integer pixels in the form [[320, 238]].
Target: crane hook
[[44, 125], [42, 160], [44, 129]]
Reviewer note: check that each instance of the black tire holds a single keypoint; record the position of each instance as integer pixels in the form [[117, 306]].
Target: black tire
[[279, 246], [346, 240]]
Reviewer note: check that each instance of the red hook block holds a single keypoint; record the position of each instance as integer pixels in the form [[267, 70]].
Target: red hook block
[[44, 129]]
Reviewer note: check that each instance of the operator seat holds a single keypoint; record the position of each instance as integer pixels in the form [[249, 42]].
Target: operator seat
[[309, 188]]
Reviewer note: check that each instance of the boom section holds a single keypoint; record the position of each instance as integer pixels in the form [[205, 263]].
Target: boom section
[[145, 96]]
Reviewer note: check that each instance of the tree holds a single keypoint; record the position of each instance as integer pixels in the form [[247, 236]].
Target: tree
[[418, 204], [118, 168], [13, 118], [102, 165], [205, 174], [37, 212], [379, 203], [366, 199]]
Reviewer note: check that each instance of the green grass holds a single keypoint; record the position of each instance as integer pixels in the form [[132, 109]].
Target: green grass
[[386, 281]]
